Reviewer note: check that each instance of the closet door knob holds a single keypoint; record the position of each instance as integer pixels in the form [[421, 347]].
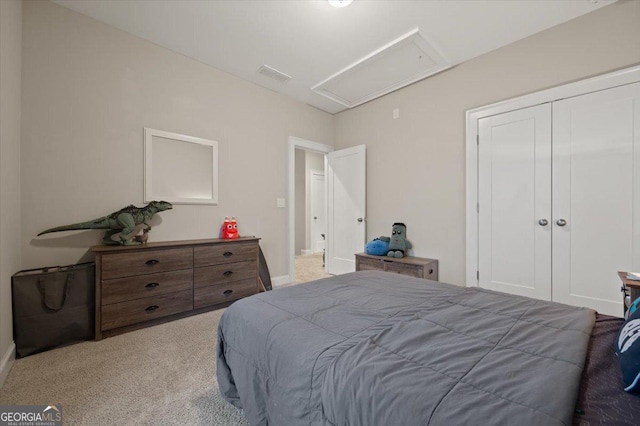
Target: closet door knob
[[561, 222], [543, 222]]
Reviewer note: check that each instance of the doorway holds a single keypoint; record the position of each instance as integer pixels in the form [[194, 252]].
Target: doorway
[[307, 209], [310, 214], [345, 204]]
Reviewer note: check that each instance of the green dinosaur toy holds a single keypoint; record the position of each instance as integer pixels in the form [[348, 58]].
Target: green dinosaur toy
[[123, 225]]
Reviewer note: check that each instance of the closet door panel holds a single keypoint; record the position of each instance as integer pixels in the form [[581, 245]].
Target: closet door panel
[[596, 193], [514, 191]]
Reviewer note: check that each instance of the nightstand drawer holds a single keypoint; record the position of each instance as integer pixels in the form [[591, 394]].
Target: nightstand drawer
[[220, 293], [404, 269], [225, 273], [145, 309], [128, 264], [130, 288], [224, 253], [370, 264]]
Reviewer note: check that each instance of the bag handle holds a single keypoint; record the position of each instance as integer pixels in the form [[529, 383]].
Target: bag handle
[[47, 297], [48, 269]]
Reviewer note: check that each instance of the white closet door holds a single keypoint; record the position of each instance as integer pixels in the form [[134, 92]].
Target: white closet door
[[514, 192], [596, 196]]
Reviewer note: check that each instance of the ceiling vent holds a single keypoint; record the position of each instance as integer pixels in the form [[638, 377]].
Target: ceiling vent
[[403, 61], [273, 74]]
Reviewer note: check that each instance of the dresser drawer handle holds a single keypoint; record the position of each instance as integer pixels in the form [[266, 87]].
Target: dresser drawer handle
[[152, 285], [152, 262], [228, 273], [430, 271], [227, 254], [151, 308], [227, 292]]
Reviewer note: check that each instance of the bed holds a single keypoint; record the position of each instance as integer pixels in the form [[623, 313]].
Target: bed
[[601, 400], [374, 348]]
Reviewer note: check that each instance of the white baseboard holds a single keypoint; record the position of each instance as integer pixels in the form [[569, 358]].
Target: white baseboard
[[280, 281], [7, 362]]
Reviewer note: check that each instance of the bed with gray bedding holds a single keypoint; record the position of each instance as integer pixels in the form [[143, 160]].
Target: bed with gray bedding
[[373, 348]]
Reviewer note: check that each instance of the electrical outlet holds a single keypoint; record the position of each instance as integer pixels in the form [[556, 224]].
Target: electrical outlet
[[280, 202], [396, 113]]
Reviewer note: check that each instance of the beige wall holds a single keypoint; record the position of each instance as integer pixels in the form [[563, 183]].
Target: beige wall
[[90, 89], [88, 92], [416, 164], [10, 76]]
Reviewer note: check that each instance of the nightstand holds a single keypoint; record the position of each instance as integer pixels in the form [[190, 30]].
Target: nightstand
[[418, 267], [630, 290]]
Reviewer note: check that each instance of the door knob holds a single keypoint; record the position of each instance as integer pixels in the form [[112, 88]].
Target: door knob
[[360, 219], [315, 218], [543, 222], [561, 222]]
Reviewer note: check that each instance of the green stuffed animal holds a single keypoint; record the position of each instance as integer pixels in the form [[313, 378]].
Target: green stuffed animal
[[399, 245]]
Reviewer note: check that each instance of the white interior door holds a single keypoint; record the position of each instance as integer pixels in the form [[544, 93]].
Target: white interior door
[[346, 205], [596, 196], [514, 193], [318, 210]]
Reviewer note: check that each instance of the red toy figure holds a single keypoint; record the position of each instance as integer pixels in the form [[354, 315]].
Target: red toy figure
[[230, 231]]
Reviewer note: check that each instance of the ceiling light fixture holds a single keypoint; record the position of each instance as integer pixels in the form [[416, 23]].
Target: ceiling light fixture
[[340, 3]]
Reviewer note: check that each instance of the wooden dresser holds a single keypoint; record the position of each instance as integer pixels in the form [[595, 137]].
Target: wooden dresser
[[140, 286], [419, 267]]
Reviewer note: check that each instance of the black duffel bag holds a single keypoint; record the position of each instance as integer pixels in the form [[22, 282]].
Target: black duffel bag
[[52, 307]]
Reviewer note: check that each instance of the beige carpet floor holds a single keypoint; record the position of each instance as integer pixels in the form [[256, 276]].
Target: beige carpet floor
[[163, 375], [309, 267]]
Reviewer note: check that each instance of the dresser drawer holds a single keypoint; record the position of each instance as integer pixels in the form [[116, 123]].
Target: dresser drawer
[[225, 273], [128, 264], [145, 309], [225, 253], [130, 288], [220, 293]]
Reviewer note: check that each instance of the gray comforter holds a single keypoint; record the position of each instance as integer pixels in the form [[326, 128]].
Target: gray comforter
[[374, 348]]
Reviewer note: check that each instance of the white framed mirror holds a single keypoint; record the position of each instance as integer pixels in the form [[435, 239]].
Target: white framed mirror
[[180, 169]]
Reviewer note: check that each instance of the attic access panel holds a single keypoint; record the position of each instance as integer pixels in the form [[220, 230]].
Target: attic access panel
[[403, 61]]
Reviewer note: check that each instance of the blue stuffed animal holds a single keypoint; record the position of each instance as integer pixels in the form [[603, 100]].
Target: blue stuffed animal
[[377, 247]]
